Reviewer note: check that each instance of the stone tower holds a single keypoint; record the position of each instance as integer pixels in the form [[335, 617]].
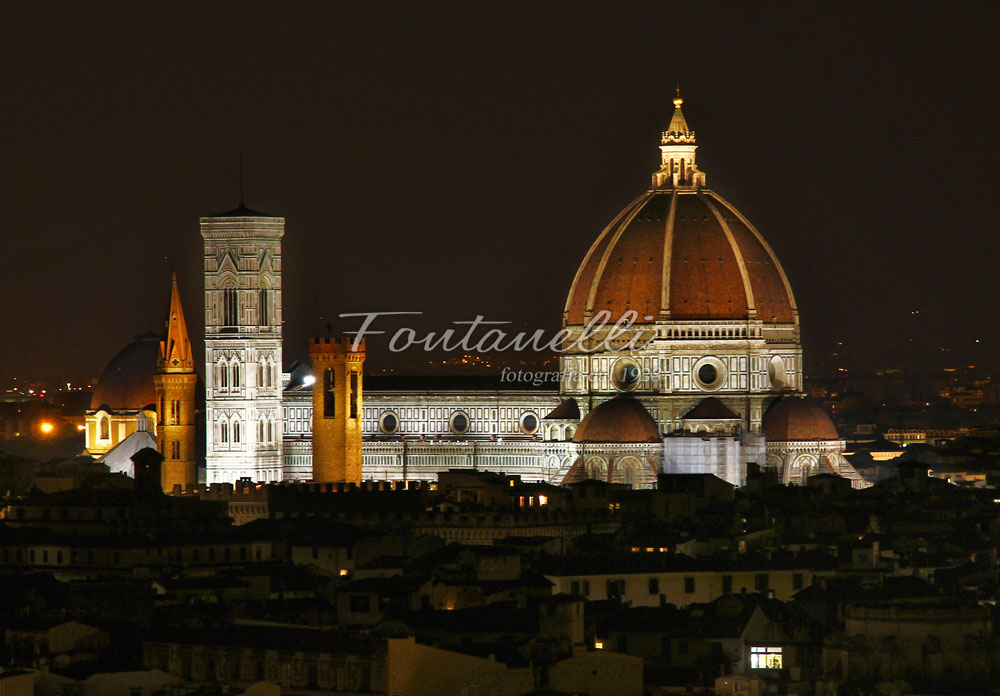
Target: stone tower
[[175, 381], [243, 345], [337, 402]]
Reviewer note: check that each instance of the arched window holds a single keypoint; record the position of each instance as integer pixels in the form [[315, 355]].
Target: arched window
[[104, 428], [270, 431], [260, 431], [265, 309], [236, 375], [223, 376], [260, 374], [236, 432], [224, 432], [231, 304]]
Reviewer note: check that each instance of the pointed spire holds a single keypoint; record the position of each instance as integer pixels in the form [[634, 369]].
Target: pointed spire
[[677, 131], [175, 348]]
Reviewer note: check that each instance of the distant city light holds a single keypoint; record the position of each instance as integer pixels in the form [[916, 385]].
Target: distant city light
[[309, 380], [47, 427]]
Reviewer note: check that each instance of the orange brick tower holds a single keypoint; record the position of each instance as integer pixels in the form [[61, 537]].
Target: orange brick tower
[[175, 382], [337, 416]]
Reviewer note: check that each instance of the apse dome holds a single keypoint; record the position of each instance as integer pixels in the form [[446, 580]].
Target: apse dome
[[127, 381], [621, 419], [797, 419]]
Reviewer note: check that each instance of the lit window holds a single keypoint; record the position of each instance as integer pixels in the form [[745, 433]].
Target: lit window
[[598, 644], [765, 657]]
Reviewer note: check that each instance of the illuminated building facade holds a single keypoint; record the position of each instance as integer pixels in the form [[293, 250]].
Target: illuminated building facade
[[175, 382], [243, 345], [713, 342]]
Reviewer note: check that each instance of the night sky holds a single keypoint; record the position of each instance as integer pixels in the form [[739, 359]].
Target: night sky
[[460, 158]]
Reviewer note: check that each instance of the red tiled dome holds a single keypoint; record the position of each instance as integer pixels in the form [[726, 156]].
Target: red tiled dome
[[682, 255], [621, 419], [127, 381], [795, 419]]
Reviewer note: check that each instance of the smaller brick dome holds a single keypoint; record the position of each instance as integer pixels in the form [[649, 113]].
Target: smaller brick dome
[[794, 418], [621, 419], [127, 382]]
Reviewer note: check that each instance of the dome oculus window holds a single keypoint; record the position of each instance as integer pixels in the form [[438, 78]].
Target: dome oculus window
[[625, 374], [529, 423], [388, 423], [459, 422], [710, 373]]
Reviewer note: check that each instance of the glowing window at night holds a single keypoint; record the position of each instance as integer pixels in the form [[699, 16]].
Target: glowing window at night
[[765, 657]]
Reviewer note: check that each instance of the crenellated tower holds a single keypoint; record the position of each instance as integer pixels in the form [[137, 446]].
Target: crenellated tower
[[337, 408], [243, 345], [175, 382]]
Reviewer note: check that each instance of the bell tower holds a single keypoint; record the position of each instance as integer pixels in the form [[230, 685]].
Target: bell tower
[[175, 381], [243, 345], [337, 415]]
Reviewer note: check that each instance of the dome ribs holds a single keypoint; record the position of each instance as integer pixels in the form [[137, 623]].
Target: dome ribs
[[772, 292], [668, 248], [679, 255], [579, 294], [631, 275], [705, 278]]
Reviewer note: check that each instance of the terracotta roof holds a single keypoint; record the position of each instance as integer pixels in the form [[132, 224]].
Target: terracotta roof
[[690, 249], [794, 418], [127, 382], [621, 419], [711, 409], [567, 409]]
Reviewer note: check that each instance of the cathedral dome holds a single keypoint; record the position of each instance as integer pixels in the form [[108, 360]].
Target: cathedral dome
[[794, 419], [621, 419], [127, 382], [680, 252]]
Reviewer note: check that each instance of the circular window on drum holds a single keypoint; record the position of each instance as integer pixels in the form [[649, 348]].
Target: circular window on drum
[[529, 423], [388, 422], [710, 373], [625, 374], [459, 422]]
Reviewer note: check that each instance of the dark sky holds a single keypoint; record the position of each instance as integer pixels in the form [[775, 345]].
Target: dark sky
[[459, 158]]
